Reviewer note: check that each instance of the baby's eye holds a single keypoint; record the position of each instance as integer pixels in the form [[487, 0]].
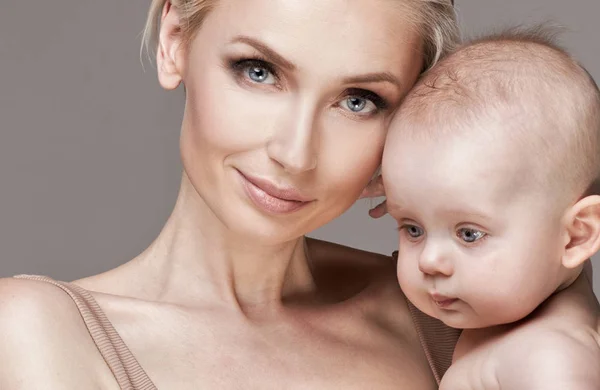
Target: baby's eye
[[470, 235], [413, 231]]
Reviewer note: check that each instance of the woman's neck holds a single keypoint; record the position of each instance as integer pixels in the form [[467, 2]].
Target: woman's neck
[[197, 258]]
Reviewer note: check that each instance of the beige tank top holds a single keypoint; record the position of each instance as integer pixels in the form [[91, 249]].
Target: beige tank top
[[438, 340]]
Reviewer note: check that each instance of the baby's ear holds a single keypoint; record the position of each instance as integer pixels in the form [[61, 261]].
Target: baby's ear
[[582, 223]]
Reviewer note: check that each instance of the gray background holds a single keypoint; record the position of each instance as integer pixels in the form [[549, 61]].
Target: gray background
[[89, 164]]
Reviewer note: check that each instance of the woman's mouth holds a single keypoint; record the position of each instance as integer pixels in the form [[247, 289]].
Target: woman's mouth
[[272, 198]]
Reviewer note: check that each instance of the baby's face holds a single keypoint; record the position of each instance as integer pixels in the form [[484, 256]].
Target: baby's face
[[479, 243]]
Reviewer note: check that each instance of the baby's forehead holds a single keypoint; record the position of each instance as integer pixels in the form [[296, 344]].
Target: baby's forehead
[[463, 164], [484, 76], [530, 105]]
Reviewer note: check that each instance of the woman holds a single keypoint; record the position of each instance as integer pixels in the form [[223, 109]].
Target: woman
[[287, 104]]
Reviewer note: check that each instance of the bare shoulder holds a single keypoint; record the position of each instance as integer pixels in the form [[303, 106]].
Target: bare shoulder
[[551, 358], [45, 343], [327, 256], [376, 296], [347, 270]]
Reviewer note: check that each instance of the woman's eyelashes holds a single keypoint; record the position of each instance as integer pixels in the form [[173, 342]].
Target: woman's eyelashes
[[260, 73], [255, 71], [362, 102]]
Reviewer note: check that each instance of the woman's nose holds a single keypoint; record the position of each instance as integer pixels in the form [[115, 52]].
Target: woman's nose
[[294, 145]]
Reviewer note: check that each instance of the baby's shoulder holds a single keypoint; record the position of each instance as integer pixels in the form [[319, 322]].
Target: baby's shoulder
[[565, 338], [530, 356], [549, 356], [42, 335], [552, 357]]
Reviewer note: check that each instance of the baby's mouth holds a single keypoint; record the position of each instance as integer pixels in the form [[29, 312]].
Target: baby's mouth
[[442, 301]]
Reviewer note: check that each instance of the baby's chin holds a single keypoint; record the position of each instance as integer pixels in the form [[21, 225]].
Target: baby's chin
[[463, 319], [456, 320]]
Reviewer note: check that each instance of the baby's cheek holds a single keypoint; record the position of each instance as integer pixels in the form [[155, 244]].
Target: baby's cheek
[[408, 278], [502, 303]]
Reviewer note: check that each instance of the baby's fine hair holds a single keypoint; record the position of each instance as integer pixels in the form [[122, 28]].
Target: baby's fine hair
[[543, 99]]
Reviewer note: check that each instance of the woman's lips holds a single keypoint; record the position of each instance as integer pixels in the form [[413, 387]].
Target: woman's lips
[[271, 198]]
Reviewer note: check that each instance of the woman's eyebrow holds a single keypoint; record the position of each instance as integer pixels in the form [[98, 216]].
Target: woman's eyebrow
[[284, 63], [265, 50], [373, 78]]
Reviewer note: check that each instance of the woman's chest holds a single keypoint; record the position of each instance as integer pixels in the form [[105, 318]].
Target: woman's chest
[[227, 355], [229, 366]]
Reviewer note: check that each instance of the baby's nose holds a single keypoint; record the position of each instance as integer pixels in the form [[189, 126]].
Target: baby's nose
[[434, 262]]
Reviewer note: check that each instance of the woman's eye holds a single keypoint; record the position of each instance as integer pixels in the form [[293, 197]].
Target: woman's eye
[[362, 102], [470, 235], [360, 105], [260, 75], [413, 231], [255, 71]]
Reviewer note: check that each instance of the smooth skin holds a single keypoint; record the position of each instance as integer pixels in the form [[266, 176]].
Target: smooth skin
[[484, 251], [227, 297], [492, 238], [231, 295]]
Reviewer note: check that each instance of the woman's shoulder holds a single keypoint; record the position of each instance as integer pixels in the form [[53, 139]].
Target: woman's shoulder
[[329, 257], [341, 268], [329, 253], [32, 299], [44, 338], [24, 302]]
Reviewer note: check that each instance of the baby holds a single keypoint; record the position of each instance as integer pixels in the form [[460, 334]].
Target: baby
[[491, 170]]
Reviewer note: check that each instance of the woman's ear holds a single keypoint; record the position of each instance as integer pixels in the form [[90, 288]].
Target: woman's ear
[[582, 223], [169, 59]]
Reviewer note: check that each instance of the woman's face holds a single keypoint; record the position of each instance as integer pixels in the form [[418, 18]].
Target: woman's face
[[287, 106]]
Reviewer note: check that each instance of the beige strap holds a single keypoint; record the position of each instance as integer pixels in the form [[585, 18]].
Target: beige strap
[[438, 340], [125, 368]]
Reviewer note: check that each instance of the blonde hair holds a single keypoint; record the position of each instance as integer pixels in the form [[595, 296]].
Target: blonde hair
[[436, 22]]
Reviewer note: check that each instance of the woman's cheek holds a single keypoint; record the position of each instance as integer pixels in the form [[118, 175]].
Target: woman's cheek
[[233, 118], [350, 153]]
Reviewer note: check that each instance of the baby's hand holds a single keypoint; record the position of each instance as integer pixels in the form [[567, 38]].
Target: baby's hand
[[375, 189]]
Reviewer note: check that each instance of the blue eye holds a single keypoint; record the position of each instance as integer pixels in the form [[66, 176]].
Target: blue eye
[[359, 105], [470, 235], [259, 74], [413, 231], [362, 102], [356, 104], [254, 71]]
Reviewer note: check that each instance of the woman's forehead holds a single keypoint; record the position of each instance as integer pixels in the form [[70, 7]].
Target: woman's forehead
[[350, 22], [375, 35]]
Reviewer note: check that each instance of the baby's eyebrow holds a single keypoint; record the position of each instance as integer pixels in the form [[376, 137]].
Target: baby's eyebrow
[[468, 214], [395, 208]]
